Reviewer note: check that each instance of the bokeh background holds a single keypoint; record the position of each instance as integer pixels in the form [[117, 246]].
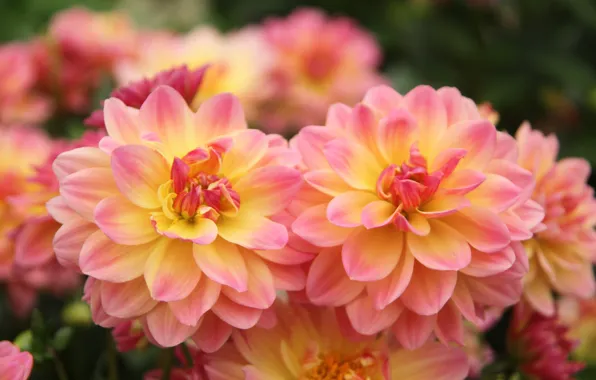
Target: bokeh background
[[533, 60]]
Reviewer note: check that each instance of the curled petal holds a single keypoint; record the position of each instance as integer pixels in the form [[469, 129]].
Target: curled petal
[[126, 300], [253, 231], [313, 226], [357, 166], [124, 222], [238, 316], [388, 289], [413, 330], [84, 189], [345, 210], [482, 228], [212, 334], [260, 292], [429, 290], [78, 159], [223, 263], [367, 320], [165, 329], [191, 309]]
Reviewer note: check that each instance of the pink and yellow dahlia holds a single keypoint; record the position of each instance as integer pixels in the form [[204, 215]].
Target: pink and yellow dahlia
[[563, 248], [580, 317], [308, 343], [171, 218], [14, 364], [318, 61], [417, 205], [19, 100], [238, 62]]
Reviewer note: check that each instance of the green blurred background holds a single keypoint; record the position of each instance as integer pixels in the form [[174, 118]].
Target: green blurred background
[[533, 60]]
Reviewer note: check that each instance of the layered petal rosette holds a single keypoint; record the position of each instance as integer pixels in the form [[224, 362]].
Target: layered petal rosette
[[563, 248], [417, 205], [308, 343], [170, 217]]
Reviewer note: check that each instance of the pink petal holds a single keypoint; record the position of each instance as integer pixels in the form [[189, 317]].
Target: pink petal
[[413, 330], [454, 106], [495, 290], [121, 122], [138, 172], [33, 245], [482, 228], [238, 316], [426, 106], [449, 327], [388, 289], [166, 113], [260, 292], [17, 366], [212, 333], [60, 210], [344, 210], [313, 226], [126, 300], [429, 290], [395, 135], [189, 310], [478, 138], [579, 282], [539, 295], [370, 255], [353, 163], [268, 190], [249, 147], [166, 329], [253, 231], [310, 142], [223, 263], [485, 264], [124, 222], [462, 181], [367, 320], [443, 205], [496, 194], [432, 361], [361, 126], [327, 283], [442, 249], [326, 181], [463, 300], [84, 189], [285, 256], [415, 223], [337, 116], [69, 240], [218, 116], [78, 159], [171, 272], [291, 278], [378, 214], [105, 260], [382, 99]]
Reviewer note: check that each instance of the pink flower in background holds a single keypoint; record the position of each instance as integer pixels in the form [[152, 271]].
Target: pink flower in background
[[309, 343], [14, 364], [563, 248], [19, 100], [129, 336], [580, 317], [418, 207], [181, 79], [540, 345], [238, 62], [171, 219], [318, 61]]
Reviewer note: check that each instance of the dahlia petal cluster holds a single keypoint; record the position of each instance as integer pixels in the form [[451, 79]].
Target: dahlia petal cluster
[[172, 218], [14, 364], [422, 202], [318, 60], [563, 248]]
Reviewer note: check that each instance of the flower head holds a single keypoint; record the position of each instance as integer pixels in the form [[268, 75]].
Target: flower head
[[563, 248], [237, 62], [19, 100], [14, 364], [307, 343], [171, 218], [420, 199], [540, 345], [318, 61]]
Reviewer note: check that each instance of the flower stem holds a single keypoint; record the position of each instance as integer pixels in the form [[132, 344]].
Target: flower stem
[[60, 370], [112, 355], [167, 364], [187, 355]]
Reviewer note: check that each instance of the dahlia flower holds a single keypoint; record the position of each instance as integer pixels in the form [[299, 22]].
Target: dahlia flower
[[19, 100], [171, 218], [237, 62], [540, 345], [563, 248], [14, 364], [309, 343], [418, 207], [318, 61], [181, 79], [580, 317]]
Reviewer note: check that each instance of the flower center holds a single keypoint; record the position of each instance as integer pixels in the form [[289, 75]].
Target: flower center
[[339, 367]]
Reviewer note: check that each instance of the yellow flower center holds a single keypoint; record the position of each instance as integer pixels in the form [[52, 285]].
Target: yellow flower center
[[338, 367]]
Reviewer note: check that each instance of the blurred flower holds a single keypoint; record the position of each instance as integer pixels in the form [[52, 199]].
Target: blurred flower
[[237, 62], [318, 61], [414, 195], [129, 336], [580, 317], [77, 313], [540, 346], [487, 111], [14, 364], [19, 100], [170, 218], [564, 244], [181, 79], [479, 353], [308, 343]]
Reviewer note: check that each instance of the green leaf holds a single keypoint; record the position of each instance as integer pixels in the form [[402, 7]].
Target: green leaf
[[62, 338]]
